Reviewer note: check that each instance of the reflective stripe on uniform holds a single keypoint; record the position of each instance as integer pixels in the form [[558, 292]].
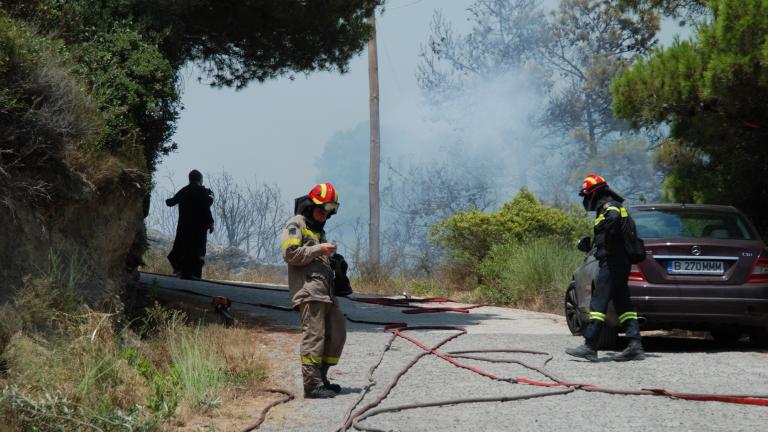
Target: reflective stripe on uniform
[[309, 233], [621, 211], [311, 360], [627, 316], [598, 316], [290, 242], [599, 219], [331, 360]]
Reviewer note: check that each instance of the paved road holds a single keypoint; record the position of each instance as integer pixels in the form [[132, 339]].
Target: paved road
[[681, 365]]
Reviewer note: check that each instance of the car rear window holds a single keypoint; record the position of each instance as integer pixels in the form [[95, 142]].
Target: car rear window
[[691, 224]]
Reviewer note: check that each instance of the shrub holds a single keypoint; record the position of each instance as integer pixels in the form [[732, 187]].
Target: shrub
[[470, 236], [529, 273]]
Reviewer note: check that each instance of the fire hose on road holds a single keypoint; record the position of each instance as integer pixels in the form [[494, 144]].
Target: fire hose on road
[[354, 417], [398, 330]]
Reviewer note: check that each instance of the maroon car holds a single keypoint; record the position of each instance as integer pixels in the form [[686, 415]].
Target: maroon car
[[706, 268]]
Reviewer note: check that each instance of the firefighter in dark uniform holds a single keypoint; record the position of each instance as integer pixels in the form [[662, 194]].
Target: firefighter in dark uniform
[[311, 261], [195, 222], [613, 273]]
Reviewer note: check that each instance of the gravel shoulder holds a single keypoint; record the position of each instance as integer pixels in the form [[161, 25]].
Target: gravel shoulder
[[676, 364]]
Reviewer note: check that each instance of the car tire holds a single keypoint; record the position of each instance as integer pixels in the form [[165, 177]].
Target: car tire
[[609, 337], [726, 335], [572, 313], [758, 337]]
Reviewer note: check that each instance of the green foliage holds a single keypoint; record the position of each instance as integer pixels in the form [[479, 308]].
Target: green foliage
[[128, 54], [44, 112], [532, 271], [166, 388], [469, 236], [199, 367], [711, 90], [135, 86]]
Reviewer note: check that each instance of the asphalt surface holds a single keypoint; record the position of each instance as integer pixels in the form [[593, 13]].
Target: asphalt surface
[[676, 364]]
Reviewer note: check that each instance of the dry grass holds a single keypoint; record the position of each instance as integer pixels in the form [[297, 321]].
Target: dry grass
[[80, 370], [440, 285], [156, 261]]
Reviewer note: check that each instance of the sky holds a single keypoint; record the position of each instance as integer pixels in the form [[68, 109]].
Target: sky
[[275, 131]]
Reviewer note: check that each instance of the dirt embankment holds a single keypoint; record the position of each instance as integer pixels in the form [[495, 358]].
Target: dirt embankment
[[84, 229]]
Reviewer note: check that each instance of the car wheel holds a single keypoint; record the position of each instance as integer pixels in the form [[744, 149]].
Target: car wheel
[[572, 313], [726, 335], [609, 337], [759, 337]]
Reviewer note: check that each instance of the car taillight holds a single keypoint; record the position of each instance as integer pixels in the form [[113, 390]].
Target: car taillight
[[635, 274], [759, 271]]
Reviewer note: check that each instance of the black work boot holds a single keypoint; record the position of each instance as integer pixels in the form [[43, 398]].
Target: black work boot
[[632, 352], [583, 351], [319, 392], [327, 384]]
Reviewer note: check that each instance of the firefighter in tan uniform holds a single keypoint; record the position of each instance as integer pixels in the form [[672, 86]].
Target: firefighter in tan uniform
[[310, 286]]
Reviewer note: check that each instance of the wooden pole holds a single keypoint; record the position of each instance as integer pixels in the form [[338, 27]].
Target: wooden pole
[[373, 182]]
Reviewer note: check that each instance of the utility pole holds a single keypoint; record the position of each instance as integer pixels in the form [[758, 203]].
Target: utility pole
[[373, 182]]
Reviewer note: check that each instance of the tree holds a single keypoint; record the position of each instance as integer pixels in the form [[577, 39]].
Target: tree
[[711, 90], [590, 42], [131, 51], [505, 34], [248, 217], [687, 11], [575, 51], [419, 195]]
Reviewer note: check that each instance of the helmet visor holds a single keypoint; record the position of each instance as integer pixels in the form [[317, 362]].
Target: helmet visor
[[330, 207]]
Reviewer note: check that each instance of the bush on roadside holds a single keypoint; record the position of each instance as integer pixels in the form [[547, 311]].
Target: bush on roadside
[[469, 236], [531, 274]]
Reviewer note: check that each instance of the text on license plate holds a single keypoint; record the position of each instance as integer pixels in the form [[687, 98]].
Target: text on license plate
[[695, 267]]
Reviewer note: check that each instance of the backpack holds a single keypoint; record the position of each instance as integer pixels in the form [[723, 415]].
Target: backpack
[[633, 245]]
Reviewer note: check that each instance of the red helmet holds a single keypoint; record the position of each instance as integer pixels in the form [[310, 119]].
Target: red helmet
[[592, 182], [325, 196]]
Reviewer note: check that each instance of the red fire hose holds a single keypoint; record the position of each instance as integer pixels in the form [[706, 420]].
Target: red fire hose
[[398, 330]]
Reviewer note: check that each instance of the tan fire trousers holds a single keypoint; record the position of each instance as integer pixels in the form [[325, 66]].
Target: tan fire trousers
[[324, 333]]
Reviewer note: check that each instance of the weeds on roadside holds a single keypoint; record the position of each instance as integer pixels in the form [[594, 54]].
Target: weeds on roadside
[[69, 368], [531, 273]]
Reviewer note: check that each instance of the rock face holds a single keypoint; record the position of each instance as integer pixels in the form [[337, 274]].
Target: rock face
[[81, 228]]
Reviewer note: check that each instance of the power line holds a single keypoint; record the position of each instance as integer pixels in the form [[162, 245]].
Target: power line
[[406, 5]]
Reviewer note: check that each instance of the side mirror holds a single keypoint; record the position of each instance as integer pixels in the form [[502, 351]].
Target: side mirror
[[585, 244]]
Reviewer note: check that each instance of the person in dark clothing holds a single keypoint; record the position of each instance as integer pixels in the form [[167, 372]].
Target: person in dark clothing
[[613, 273], [194, 201]]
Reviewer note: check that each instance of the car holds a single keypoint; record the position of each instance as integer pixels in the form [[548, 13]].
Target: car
[[706, 268]]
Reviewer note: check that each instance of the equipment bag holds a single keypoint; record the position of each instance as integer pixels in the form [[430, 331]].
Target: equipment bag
[[633, 245], [341, 285]]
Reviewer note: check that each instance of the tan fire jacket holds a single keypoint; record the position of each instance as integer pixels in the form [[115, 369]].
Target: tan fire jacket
[[309, 272]]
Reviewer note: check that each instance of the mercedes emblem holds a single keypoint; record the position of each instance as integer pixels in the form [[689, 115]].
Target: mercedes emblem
[[696, 250]]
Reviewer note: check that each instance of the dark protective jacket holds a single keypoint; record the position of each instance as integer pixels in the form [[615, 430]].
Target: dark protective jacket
[[195, 217], [607, 230]]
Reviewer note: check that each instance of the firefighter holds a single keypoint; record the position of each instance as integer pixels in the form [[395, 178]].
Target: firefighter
[[194, 200], [613, 272], [310, 281]]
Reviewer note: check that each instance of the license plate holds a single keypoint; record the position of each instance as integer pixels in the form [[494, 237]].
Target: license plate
[[695, 267]]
